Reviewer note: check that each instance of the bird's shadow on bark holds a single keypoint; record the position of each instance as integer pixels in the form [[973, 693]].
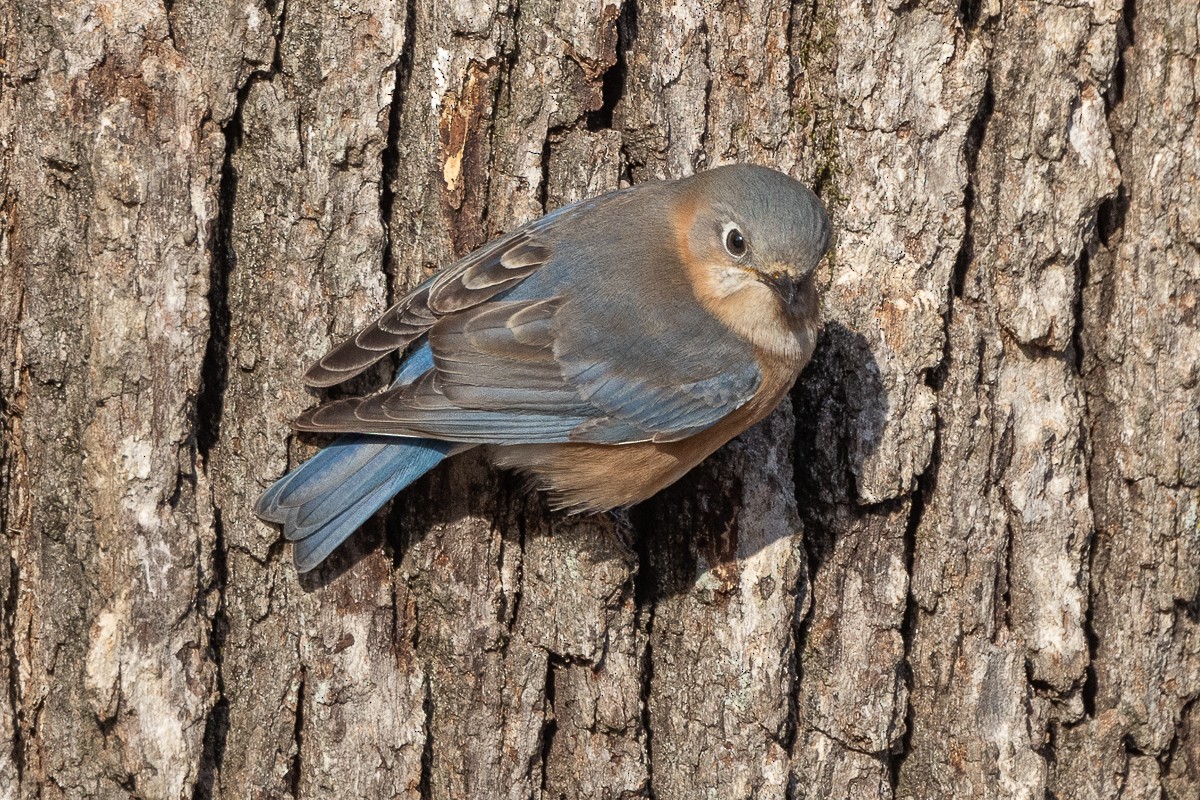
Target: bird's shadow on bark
[[699, 523], [839, 404]]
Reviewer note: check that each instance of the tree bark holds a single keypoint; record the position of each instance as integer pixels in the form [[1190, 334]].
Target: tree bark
[[962, 561]]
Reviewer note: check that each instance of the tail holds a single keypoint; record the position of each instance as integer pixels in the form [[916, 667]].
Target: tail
[[327, 498]]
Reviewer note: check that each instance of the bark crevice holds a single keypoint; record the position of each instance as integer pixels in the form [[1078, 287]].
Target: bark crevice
[[549, 720], [971, 148], [645, 595], [425, 782], [926, 485], [216, 723], [13, 684], [612, 83], [390, 157], [209, 411], [169, 15], [214, 369], [699, 160], [969, 12], [294, 769]]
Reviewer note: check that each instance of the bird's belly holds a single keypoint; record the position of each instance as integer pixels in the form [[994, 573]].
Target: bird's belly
[[597, 477], [581, 476]]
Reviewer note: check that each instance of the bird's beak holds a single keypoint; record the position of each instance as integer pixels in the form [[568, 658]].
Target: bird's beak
[[785, 284]]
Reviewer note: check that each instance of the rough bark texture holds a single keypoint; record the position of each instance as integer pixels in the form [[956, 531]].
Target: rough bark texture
[[965, 561]]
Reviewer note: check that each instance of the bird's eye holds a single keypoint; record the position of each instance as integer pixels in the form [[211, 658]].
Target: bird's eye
[[735, 243]]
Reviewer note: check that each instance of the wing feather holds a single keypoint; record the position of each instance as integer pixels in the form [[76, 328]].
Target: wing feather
[[497, 379], [476, 279]]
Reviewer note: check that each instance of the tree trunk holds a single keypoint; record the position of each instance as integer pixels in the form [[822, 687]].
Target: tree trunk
[[963, 561]]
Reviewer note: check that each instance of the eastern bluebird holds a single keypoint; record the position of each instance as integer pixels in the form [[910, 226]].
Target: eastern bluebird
[[604, 350]]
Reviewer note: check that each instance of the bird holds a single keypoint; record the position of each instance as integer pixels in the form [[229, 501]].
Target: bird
[[602, 350]]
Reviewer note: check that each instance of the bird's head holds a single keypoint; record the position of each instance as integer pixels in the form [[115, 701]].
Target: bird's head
[[754, 237]]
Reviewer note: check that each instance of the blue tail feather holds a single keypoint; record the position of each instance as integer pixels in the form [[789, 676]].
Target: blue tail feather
[[325, 499]]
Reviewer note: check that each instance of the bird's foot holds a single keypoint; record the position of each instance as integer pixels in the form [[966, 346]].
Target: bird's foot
[[623, 529]]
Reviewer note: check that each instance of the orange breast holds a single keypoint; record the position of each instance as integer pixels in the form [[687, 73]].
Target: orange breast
[[598, 477]]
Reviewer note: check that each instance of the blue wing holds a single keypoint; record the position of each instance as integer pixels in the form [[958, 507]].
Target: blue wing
[[491, 270], [506, 373], [325, 499]]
